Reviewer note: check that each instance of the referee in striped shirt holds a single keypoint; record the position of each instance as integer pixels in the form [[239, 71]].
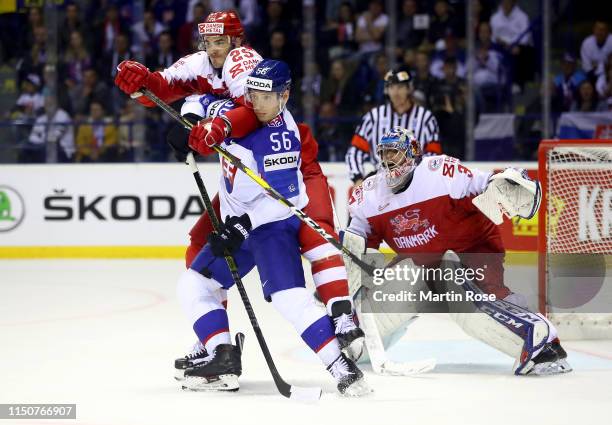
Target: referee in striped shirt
[[399, 110]]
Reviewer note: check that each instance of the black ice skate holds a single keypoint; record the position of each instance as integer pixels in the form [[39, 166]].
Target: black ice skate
[[219, 371], [349, 335], [552, 360], [196, 356], [350, 379]]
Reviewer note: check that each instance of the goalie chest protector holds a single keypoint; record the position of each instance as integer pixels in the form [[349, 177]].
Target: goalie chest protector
[[432, 215]]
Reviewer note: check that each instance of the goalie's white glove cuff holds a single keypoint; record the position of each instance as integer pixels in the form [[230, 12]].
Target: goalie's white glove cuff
[[522, 194], [512, 193]]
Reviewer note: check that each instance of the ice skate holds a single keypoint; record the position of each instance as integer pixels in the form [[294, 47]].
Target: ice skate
[[195, 357], [350, 337], [552, 360], [217, 372], [350, 379]]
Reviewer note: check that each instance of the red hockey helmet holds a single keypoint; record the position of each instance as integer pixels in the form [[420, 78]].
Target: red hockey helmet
[[225, 22]]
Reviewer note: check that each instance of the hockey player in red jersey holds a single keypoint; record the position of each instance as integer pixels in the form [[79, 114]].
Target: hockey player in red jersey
[[434, 209], [221, 69]]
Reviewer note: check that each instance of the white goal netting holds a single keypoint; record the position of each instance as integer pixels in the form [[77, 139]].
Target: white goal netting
[[577, 214]]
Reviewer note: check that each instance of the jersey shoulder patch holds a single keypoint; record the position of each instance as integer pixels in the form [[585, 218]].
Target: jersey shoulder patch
[[445, 166], [366, 191], [356, 197]]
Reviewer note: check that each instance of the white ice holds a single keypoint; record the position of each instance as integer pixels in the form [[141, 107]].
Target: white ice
[[104, 334]]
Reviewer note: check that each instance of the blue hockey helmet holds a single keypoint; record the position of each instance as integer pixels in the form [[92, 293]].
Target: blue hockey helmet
[[399, 153], [269, 75]]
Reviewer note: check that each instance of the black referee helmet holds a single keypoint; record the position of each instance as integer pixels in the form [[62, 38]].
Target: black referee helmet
[[398, 76]]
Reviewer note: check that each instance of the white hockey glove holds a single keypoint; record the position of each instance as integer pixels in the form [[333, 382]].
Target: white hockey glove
[[511, 193]]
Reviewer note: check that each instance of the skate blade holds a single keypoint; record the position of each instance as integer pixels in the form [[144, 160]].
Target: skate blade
[[550, 368], [222, 383], [179, 374], [357, 389], [406, 369], [355, 349]]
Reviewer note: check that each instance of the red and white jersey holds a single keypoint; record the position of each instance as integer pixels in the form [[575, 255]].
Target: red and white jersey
[[194, 74], [435, 213]]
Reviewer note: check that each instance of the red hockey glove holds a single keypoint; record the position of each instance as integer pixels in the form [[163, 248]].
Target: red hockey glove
[[208, 133], [131, 76]]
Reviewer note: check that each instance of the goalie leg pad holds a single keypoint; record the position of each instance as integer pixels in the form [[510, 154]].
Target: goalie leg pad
[[390, 326], [390, 318], [357, 245], [507, 327]]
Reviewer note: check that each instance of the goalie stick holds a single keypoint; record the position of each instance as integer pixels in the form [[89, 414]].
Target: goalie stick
[[261, 182], [289, 391]]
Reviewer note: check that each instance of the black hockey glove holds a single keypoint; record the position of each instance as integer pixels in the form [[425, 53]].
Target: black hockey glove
[[231, 235], [177, 138]]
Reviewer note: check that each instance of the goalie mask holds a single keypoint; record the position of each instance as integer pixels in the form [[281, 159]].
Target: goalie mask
[[399, 153]]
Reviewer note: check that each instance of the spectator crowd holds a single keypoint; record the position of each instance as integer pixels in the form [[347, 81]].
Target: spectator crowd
[[90, 120]]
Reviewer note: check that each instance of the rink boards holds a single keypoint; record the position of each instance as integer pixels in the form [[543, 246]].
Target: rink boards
[[130, 210]]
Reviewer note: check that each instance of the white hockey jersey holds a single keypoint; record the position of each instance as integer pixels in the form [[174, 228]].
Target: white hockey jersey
[[433, 214], [195, 74]]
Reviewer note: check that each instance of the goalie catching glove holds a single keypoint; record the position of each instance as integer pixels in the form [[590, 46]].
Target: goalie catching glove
[[511, 193]]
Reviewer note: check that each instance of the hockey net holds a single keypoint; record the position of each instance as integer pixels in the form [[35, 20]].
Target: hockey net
[[575, 237]]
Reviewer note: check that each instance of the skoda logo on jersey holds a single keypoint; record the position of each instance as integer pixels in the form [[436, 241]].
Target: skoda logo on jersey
[[12, 208], [281, 161], [258, 84]]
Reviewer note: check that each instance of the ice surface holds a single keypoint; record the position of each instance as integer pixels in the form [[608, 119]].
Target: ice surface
[[103, 334]]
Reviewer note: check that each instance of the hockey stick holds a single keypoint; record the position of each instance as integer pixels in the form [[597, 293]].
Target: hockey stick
[[289, 391], [264, 184]]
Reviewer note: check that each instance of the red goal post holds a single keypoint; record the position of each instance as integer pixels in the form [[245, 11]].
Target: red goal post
[[575, 215]]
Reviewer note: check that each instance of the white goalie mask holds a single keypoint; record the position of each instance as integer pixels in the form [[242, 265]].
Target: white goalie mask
[[399, 152]]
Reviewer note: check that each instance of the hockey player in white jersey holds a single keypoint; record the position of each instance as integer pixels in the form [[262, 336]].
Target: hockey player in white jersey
[[439, 213], [259, 232]]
